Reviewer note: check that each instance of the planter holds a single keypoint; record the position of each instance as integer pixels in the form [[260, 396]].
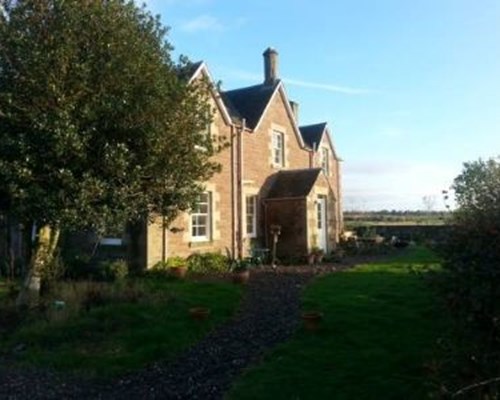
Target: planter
[[178, 272], [241, 277], [310, 259], [199, 313], [312, 320]]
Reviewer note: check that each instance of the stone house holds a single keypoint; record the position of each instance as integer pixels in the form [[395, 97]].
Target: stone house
[[274, 172]]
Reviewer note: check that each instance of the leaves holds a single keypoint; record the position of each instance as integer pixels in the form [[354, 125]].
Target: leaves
[[97, 125]]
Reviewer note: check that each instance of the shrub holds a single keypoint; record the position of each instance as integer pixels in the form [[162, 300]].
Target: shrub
[[208, 263], [471, 269], [112, 270], [176, 262]]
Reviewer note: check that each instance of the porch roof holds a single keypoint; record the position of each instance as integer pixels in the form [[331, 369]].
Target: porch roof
[[294, 183]]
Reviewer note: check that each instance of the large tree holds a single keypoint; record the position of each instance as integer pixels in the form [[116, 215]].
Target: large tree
[[98, 124]]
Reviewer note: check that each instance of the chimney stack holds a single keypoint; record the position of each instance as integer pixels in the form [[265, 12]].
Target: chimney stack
[[270, 66], [295, 110]]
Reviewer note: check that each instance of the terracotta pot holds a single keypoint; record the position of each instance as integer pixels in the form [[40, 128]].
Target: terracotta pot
[[178, 272], [199, 313], [241, 277], [312, 320]]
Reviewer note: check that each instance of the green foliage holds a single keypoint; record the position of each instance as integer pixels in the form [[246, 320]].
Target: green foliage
[[108, 329], [98, 125], [175, 262], [116, 270], [471, 269], [208, 263]]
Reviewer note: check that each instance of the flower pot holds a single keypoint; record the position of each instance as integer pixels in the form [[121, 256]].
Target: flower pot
[[178, 272], [310, 259], [199, 313], [241, 277], [312, 320]]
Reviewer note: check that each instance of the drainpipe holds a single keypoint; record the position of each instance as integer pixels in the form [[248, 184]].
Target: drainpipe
[[239, 190], [233, 192], [163, 240]]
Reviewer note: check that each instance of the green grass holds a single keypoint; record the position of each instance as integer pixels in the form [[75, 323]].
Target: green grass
[[380, 328], [122, 336]]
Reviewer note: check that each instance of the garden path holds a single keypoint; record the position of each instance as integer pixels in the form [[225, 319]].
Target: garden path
[[269, 315]]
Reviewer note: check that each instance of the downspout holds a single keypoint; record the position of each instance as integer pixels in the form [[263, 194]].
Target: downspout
[[233, 202], [239, 191], [163, 240]]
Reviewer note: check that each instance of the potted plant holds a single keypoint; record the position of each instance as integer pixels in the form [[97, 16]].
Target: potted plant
[[241, 273], [316, 255], [312, 320], [177, 267], [199, 313]]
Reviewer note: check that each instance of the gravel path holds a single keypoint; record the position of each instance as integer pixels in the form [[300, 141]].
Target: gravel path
[[269, 315]]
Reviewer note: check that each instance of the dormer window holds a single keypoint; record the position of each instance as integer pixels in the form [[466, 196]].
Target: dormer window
[[278, 149], [325, 159]]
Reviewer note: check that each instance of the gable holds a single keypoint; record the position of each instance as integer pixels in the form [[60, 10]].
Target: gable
[[201, 72], [279, 106]]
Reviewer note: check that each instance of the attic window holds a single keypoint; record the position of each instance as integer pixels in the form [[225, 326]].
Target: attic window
[[278, 149]]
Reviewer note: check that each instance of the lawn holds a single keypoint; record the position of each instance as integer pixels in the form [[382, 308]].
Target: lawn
[[149, 322], [378, 338]]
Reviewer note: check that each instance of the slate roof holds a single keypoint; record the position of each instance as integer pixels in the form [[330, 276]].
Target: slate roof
[[187, 71], [249, 102], [312, 134], [294, 183]]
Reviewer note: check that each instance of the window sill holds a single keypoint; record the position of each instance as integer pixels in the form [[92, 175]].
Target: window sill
[[200, 243]]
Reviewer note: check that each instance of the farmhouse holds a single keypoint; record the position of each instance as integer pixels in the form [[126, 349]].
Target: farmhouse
[[274, 172]]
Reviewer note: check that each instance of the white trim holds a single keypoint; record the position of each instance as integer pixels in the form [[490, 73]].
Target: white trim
[[215, 93], [208, 224], [111, 241], [252, 234], [275, 149], [281, 89]]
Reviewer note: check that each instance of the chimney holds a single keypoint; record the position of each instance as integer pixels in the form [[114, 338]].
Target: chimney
[[270, 66], [295, 110]]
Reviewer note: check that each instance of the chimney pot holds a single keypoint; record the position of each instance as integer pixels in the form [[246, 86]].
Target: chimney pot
[[270, 66]]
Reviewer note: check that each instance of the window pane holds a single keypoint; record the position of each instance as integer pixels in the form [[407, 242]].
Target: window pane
[[200, 217]]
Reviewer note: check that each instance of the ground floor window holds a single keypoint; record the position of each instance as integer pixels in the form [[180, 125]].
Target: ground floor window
[[251, 216], [201, 216]]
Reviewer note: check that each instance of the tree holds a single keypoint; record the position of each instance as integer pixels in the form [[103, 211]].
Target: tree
[[98, 125]]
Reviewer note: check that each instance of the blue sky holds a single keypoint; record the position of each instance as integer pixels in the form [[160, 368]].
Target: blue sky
[[410, 89]]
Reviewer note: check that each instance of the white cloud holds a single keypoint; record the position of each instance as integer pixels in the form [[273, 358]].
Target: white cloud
[[202, 23], [250, 76], [328, 86], [395, 185]]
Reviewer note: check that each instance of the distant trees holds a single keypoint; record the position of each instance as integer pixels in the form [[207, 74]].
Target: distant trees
[[97, 124]]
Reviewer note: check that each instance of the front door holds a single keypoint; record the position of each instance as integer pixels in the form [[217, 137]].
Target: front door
[[321, 220]]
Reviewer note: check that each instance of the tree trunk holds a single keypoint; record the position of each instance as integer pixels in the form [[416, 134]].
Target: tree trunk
[[43, 254]]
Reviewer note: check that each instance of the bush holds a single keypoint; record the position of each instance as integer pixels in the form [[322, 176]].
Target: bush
[[112, 270], [208, 263], [176, 262], [471, 269]]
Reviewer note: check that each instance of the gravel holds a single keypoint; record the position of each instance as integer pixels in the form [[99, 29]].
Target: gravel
[[269, 315]]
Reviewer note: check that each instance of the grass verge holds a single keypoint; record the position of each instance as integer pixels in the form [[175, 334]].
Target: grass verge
[[377, 340], [123, 335]]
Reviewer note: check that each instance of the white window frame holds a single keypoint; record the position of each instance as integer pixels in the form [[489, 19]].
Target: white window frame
[[196, 215], [251, 199], [278, 146], [325, 160]]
